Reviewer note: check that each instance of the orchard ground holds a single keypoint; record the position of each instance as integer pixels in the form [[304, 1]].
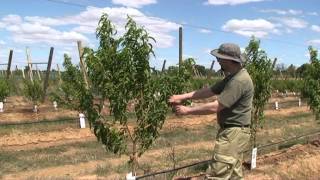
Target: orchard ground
[[61, 150]]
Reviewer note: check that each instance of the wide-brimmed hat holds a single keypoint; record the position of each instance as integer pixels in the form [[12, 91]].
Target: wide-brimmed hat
[[228, 51]]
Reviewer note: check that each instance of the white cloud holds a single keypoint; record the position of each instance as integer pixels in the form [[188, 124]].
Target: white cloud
[[12, 19], [257, 27], [207, 50], [292, 22], [315, 28], [134, 3], [37, 33], [18, 51], [205, 31], [2, 42], [229, 2], [313, 13], [35, 29], [185, 56], [288, 30], [87, 20], [282, 12], [2, 25], [314, 42], [84, 29], [307, 55]]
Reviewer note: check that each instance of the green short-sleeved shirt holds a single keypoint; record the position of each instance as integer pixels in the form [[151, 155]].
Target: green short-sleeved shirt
[[235, 92]]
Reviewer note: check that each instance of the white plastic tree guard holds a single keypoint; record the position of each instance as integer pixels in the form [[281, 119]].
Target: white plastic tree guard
[[55, 105], [299, 103], [130, 176], [254, 158], [276, 105], [1, 106], [82, 121], [35, 108]]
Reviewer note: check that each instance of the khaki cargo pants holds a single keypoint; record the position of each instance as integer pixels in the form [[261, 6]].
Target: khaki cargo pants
[[228, 153]]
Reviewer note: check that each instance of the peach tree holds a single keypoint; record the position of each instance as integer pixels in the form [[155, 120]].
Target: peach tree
[[4, 89], [120, 78], [71, 92], [311, 77], [33, 91], [259, 67]]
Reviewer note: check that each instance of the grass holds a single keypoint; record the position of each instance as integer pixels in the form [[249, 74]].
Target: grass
[[27, 160], [106, 169], [178, 136], [47, 126], [17, 161]]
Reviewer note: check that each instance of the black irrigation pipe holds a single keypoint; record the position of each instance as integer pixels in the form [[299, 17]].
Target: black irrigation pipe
[[38, 122], [207, 161], [172, 170], [286, 140]]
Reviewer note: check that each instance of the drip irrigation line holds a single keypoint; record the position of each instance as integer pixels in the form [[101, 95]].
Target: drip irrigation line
[[38, 122], [207, 161], [286, 140], [172, 170]]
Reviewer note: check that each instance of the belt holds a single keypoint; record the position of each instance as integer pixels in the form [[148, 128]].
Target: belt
[[225, 126]]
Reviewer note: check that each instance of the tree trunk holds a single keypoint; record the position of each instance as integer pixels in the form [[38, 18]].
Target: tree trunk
[[134, 158]]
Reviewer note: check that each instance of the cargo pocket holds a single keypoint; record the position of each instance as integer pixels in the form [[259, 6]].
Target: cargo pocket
[[222, 166]]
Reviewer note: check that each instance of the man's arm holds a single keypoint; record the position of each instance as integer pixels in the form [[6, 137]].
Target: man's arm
[[199, 94], [202, 109]]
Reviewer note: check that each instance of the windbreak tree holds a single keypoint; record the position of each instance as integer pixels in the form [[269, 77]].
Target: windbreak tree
[[311, 78], [259, 67], [119, 75]]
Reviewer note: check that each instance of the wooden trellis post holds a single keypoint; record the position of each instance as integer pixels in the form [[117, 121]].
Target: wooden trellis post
[[164, 65], [46, 80], [82, 64], [180, 46], [59, 73], [29, 64], [24, 77], [39, 76], [9, 64], [211, 69]]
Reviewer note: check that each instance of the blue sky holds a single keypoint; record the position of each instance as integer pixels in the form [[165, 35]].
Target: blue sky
[[285, 27]]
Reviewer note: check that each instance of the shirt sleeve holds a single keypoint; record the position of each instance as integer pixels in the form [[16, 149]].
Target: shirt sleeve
[[231, 93], [218, 87]]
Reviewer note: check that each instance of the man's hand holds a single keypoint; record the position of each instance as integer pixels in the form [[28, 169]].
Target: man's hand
[[175, 100], [181, 110]]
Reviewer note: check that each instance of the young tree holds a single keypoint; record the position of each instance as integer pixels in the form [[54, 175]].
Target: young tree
[[261, 71], [71, 91], [291, 71], [33, 91], [4, 90], [312, 83], [119, 74]]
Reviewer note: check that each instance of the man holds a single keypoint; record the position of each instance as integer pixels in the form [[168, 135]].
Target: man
[[233, 108]]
